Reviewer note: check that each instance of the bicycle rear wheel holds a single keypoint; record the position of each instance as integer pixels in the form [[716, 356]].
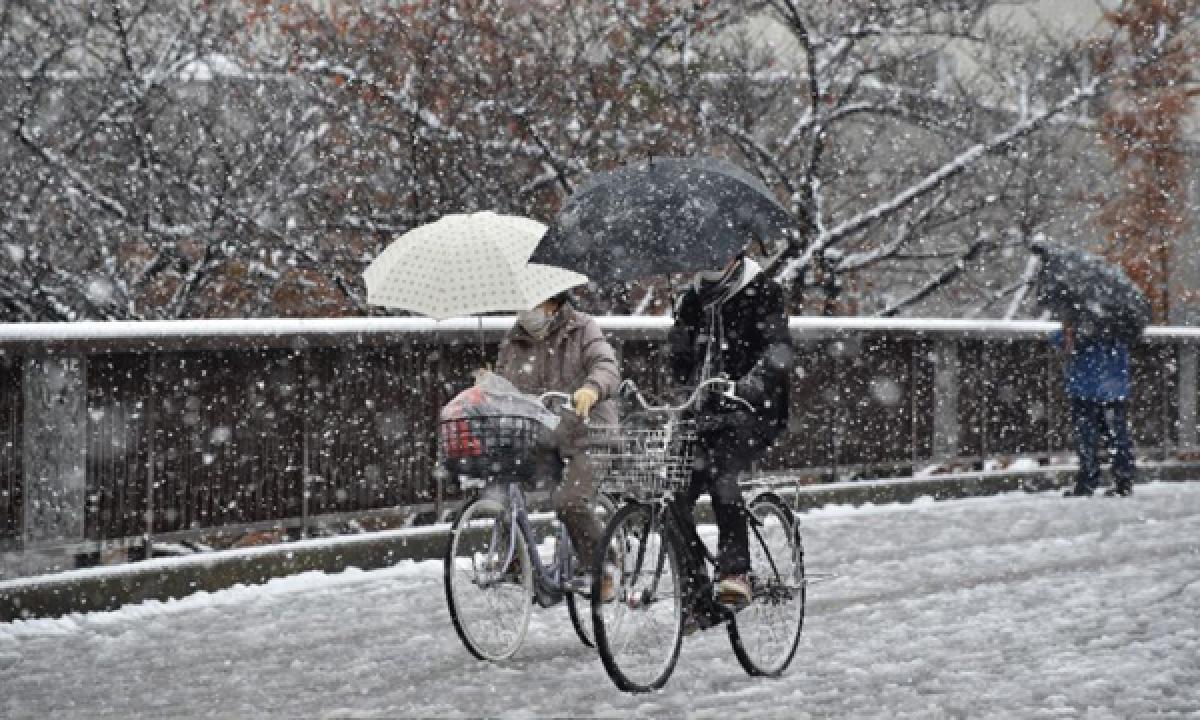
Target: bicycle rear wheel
[[489, 590], [766, 633], [638, 633], [578, 604]]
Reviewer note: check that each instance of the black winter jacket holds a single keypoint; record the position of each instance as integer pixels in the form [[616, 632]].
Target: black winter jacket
[[752, 345]]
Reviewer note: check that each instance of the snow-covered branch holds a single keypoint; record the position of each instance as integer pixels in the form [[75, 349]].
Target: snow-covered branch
[[941, 279], [934, 180], [1022, 287]]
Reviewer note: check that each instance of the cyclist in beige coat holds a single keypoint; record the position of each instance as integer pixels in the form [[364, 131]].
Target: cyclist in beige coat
[[554, 347]]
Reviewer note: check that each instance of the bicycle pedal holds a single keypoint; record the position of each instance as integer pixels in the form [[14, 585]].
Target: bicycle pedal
[[734, 607], [705, 618]]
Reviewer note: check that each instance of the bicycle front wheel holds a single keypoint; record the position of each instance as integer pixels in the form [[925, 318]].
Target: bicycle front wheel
[[766, 633], [489, 581], [639, 631]]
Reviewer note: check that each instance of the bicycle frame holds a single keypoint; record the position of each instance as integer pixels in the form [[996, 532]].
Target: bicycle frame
[[665, 512], [549, 580]]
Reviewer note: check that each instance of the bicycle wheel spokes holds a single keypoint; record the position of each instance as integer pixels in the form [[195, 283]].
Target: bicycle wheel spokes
[[766, 633], [638, 633], [489, 581]]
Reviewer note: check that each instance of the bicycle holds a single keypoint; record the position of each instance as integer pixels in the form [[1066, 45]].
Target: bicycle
[[493, 571], [640, 632]]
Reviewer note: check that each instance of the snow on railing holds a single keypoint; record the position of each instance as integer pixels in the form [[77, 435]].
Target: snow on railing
[[197, 330]]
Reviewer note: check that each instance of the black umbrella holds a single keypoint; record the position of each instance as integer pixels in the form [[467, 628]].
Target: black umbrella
[[1085, 291], [662, 216]]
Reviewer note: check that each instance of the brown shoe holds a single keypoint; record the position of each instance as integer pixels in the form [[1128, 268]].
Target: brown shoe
[[607, 592], [608, 585], [734, 591]]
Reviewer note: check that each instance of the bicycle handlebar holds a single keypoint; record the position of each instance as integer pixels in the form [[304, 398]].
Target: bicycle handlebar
[[566, 398], [629, 387]]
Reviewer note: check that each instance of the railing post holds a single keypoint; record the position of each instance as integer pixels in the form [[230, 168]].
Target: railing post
[[54, 450], [305, 439], [151, 411], [1188, 368], [945, 398]]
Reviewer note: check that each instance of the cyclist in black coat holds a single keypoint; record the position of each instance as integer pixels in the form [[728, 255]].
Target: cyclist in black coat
[[731, 323]]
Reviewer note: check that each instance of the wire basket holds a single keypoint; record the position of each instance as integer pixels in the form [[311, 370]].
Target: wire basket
[[642, 462], [492, 447]]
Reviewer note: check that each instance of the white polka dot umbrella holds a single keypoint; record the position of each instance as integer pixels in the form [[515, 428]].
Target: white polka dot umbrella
[[464, 265]]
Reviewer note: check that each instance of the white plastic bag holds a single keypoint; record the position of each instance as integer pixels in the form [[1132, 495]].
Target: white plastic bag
[[494, 395]]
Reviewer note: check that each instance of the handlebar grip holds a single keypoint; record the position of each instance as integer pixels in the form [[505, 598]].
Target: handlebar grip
[[628, 390], [566, 399]]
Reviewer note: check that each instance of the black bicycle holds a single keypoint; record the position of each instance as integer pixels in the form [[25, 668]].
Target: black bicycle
[[639, 633]]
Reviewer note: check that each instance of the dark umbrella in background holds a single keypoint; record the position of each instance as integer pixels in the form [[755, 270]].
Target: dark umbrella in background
[[1087, 292], [659, 217]]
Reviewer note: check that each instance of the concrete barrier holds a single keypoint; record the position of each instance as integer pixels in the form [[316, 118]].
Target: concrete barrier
[[107, 588]]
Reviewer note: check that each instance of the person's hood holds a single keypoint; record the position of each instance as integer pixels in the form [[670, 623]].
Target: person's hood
[[750, 270]]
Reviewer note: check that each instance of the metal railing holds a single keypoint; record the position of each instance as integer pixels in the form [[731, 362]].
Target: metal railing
[[125, 431]]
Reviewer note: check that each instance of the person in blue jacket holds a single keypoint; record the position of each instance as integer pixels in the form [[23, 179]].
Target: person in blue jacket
[[1097, 385]]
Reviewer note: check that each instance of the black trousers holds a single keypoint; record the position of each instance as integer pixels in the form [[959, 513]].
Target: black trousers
[[721, 455], [1092, 420]]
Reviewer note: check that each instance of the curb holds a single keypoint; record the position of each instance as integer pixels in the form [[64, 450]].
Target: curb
[[98, 589]]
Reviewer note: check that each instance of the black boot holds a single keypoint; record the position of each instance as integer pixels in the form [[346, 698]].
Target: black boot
[[1079, 491]]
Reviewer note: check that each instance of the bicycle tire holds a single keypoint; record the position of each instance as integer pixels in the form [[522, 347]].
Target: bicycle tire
[[639, 633], [489, 605], [766, 633], [578, 605]]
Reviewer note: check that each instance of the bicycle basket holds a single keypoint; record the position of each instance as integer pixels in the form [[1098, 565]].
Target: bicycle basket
[[642, 462], [489, 446]]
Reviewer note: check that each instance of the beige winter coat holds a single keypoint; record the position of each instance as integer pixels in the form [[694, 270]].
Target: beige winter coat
[[573, 354]]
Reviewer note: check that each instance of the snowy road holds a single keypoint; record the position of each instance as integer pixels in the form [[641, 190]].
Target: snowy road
[[1028, 606]]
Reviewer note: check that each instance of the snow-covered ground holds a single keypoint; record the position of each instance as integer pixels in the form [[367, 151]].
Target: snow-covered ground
[[1029, 606]]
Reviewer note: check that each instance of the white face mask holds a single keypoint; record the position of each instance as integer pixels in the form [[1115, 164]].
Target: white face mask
[[536, 322]]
